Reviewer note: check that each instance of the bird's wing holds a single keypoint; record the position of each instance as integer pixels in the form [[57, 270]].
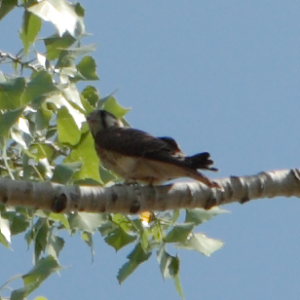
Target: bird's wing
[[172, 145], [136, 143], [133, 142]]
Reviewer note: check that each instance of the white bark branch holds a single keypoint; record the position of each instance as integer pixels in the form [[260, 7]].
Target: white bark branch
[[137, 198]]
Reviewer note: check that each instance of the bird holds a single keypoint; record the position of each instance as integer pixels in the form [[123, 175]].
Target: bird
[[139, 157]]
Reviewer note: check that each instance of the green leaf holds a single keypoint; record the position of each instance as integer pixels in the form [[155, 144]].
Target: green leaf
[[88, 222], [11, 92], [4, 241], [54, 245], [85, 153], [39, 86], [68, 132], [42, 117], [5, 233], [107, 176], [41, 238], [123, 221], [112, 105], [88, 238], [170, 216], [79, 10], [7, 6], [91, 94], [127, 269], [63, 173], [201, 243], [8, 119], [44, 168], [179, 233], [31, 234], [157, 232], [170, 268], [178, 286], [87, 68], [145, 239], [33, 279], [56, 44], [61, 13], [66, 64], [72, 94], [30, 29], [40, 151], [81, 50], [135, 258], [60, 218], [199, 215], [20, 136], [119, 239], [107, 227], [169, 265], [42, 269], [19, 294], [19, 223], [66, 99]]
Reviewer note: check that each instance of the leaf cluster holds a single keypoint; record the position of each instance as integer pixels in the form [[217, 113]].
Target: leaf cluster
[[44, 137]]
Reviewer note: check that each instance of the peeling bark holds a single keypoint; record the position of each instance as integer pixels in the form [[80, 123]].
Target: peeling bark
[[131, 199]]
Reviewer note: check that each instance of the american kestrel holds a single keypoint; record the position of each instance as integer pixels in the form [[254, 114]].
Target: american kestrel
[[140, 157]]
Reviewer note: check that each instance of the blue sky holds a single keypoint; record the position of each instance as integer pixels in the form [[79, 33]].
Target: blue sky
[[218, 76]]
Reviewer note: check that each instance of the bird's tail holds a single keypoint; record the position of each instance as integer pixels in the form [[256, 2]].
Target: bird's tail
[[200, 161]]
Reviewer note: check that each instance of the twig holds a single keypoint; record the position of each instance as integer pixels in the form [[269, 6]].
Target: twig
[[17, 59]]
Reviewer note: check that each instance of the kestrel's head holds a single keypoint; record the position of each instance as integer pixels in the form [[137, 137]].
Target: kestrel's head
[[101, 119]]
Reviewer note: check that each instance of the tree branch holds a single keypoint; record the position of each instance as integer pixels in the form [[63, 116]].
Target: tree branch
[[136, 198], [17, 60]]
